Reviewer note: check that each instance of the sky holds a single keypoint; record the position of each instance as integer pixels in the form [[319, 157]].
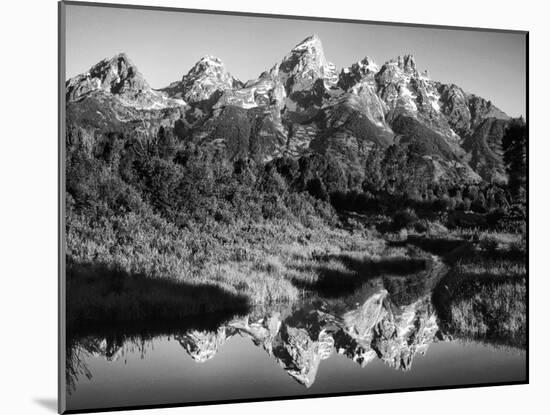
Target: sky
[[164, 45]]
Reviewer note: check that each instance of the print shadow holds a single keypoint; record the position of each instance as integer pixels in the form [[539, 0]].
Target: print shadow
[[48, 403]]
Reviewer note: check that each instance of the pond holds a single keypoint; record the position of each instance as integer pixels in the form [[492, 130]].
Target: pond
[[384, 335]]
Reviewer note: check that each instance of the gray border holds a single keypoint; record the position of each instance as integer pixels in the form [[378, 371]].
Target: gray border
[[288, 17], [62, 392], [61, 364]]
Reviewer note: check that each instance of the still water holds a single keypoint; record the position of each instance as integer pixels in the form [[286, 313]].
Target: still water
[[384, 335]]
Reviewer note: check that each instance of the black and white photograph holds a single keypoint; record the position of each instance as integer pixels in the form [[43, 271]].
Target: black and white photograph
[[262, 207]]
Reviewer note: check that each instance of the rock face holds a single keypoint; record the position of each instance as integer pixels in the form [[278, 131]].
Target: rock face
[[117, 78], [304, 66], [484, 149], [360, 84], [206, 81], [117, 75], [303, 106]]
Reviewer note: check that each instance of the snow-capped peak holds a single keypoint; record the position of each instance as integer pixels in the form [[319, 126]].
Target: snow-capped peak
[[211, 60], [207, 78], [368, 64], [310, 42], [209, 64], [304, 65], [360, 72], [117, 75], [406, 63]]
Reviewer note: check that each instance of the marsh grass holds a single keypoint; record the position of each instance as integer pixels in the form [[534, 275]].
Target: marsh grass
[[332, 275], [131, 266], [485, 293]]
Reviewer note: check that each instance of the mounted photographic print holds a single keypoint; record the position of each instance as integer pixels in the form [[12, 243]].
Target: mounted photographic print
[[259, 207]]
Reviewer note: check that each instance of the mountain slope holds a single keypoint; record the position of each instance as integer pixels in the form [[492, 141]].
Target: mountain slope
[[118, 77], [301, 106]]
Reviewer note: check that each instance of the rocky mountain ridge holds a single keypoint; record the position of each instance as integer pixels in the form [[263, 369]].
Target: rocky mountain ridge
[[302, 106]]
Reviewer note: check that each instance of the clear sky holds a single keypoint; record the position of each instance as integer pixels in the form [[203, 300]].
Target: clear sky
[[165, 45]]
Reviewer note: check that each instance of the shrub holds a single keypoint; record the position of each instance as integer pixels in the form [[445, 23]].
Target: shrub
[[404, 218]]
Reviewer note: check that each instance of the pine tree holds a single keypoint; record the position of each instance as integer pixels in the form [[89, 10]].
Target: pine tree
[[374, 178], [514, 144]]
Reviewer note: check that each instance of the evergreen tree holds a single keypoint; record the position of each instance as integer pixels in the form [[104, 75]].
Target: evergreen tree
[[514, 144], [374, 178]]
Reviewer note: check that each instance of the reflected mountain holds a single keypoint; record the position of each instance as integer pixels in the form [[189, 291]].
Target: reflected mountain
[[300, 339], [203, 345], [391, 318]]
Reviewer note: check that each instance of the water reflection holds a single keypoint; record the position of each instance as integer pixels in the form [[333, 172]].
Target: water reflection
[[390, 319]]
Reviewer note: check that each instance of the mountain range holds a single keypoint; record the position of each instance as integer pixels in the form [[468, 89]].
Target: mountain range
[[302, 107]]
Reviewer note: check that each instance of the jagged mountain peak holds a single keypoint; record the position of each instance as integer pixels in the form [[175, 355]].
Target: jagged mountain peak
[[310, 49], [310, 42], [369, 63], [117, 75], [206, 63], [121, 56], [119, 66], [362, 101], [208, 67], [211, 59], [206, 80], [120, 59], [365, 69], [304, 65], [406, 63], [364, 66], [398, 70]]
